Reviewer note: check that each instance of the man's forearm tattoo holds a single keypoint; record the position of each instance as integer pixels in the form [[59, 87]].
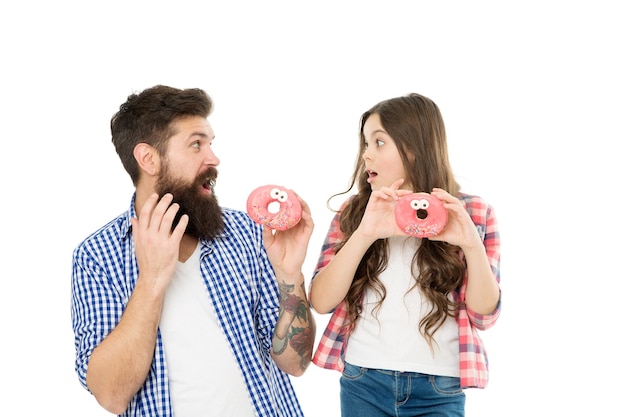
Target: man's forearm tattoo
[[294, 312]]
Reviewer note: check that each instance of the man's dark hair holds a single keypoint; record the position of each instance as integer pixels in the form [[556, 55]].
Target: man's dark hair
[[147, 117]]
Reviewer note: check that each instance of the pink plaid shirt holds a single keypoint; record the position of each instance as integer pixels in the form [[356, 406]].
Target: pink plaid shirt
[[473, 357]]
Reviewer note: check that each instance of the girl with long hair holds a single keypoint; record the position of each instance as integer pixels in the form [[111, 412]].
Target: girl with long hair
[[406, 311]]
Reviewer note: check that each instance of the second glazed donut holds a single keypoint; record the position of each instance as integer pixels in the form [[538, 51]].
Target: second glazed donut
[[274, 206], [421, 215]]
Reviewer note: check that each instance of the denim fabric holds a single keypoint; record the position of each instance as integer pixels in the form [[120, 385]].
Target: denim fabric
[[375, 393]]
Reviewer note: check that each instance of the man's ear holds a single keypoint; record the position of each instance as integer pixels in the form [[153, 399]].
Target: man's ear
[[147, 158]]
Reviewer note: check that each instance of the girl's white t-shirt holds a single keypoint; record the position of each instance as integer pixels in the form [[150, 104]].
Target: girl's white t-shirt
[[202, 371], [389, 338]]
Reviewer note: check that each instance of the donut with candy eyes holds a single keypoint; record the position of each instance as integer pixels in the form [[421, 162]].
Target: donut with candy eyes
[[421, 215], [274, 206]]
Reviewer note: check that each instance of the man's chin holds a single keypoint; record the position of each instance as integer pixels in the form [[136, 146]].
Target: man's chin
[[205, 220]]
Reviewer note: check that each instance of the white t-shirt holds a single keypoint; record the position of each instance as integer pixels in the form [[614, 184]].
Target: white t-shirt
[[389, 338], [202, 371]]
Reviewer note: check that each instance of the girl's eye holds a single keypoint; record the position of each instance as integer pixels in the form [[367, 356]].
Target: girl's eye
[[379, 143]]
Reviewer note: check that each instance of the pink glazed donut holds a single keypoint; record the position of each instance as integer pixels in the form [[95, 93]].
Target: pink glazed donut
[[274, 206], [421, 215]]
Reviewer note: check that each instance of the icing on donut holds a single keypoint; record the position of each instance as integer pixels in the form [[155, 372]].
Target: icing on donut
[[420, 215], [263, 199]]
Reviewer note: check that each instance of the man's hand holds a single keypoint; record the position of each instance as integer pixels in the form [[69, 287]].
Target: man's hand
[[287, 249], [156, 244]]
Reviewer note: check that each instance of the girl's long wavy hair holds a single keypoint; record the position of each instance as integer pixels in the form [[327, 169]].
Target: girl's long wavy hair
[[416, 125]]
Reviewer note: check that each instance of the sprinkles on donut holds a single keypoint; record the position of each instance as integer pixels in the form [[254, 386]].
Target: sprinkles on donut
[[274, 206], [421, 215]]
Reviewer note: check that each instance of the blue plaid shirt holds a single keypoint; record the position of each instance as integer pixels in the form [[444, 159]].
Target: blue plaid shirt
[[244, 293]]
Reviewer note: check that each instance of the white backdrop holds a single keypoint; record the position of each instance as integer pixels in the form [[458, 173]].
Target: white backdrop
[[533, 98]]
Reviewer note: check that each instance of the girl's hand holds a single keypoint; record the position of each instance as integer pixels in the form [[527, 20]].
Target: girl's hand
[[460, 230], [379, 219]]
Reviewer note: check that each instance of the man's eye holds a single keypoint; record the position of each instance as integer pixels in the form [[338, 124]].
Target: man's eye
[[196, 145]]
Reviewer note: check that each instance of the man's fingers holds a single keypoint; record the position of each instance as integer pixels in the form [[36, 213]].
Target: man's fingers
[[160, 214], [179, 230], [146, 211], [164, 213]]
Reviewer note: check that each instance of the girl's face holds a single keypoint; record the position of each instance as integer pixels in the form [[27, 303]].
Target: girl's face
[[381, 156]]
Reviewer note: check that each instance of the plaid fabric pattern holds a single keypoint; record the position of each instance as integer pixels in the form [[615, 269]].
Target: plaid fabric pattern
[[473, 363], [244, 293]]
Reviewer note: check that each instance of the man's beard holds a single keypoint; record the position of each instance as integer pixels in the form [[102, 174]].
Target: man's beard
[[205, 214]]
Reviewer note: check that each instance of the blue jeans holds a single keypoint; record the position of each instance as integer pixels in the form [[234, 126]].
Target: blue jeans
[[376, 392]]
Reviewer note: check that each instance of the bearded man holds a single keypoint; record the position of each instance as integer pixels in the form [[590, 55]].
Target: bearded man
[[179, 306]]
